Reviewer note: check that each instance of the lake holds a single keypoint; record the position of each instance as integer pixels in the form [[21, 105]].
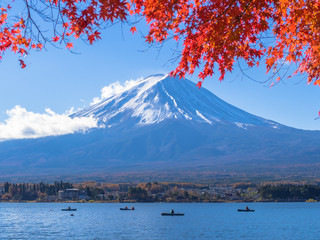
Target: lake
[[201, 221]]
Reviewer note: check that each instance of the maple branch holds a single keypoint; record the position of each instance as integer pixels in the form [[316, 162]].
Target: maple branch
[[238, 18], [29, 18], [246, 75]]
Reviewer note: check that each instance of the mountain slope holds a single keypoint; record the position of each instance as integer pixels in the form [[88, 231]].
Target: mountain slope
[[163, 124]]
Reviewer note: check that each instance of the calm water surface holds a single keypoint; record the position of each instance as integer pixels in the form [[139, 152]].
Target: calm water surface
[[201, 221]]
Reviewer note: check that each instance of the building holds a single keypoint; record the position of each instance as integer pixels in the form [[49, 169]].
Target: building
[[68, 194]]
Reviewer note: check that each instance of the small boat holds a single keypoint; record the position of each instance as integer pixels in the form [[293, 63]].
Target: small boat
[[172, 214], [127, 208], [245, 210], [69, 209]]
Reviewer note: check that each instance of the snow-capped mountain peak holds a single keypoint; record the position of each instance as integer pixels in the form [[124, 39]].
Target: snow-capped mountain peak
[[159, 97]]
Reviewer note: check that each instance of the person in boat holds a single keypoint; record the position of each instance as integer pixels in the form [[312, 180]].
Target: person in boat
[[126, 207], [132, 208], [69, 208], [172, 211], [247, 209]]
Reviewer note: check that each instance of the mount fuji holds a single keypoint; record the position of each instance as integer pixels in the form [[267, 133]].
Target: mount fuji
[[158, 125]]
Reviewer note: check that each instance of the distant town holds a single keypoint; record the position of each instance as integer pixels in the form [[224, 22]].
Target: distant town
[[157, 192]]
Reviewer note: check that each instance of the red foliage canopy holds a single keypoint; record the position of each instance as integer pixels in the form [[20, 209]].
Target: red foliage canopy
[[215, 33]]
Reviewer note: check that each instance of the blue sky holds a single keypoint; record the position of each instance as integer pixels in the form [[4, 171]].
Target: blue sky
[[60, 80]]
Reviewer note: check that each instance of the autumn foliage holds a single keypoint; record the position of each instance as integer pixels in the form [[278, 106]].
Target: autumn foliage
[[215, 34]]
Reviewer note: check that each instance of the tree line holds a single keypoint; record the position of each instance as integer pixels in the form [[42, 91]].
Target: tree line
[[32, 191], [160, 192], [290, 192]]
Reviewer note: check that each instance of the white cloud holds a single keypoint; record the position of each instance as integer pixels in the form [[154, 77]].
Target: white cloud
[[114, 89], [23, 124], [70, 111]]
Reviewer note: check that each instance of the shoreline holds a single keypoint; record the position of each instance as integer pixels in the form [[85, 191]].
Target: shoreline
[[157, 192], [133, 202]]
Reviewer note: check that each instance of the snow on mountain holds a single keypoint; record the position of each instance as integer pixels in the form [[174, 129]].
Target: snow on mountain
[[160, 97]]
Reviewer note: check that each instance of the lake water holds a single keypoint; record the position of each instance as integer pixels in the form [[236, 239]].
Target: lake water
[[201, 221]]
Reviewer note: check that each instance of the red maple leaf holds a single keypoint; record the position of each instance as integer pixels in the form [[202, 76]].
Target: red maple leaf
[[133, 30], [69, 45], [55, 39], [22, 64]]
